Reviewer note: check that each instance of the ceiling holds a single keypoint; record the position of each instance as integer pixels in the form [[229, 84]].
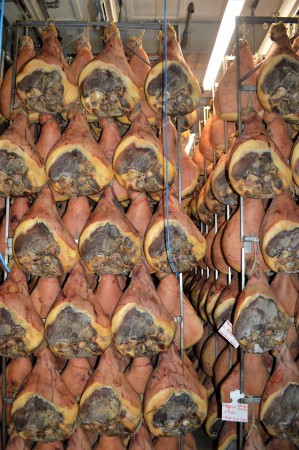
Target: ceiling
[[203, 28]]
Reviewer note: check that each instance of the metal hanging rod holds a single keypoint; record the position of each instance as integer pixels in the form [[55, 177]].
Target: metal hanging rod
[[86, 23]]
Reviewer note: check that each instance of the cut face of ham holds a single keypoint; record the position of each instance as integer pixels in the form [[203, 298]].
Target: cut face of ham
[[107, 84], [183, 90]]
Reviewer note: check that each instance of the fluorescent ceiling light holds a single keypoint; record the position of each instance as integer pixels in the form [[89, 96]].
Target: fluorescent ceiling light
[[226, 29], [288, 9]]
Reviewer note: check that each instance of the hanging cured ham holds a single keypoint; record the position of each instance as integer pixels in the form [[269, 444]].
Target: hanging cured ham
[[213, 422], [279, 234], [228, 437], [109, 405], [21, 170], [107, 84], [203, 165], [44, 409], [280, 444], [108, 293], [206, 146], [278, 76], [76, 214], [56, 445], [76, 326], [141, 440], [109, 243], [25, 53], [225, 361], [187, 244], [204, 214], [139, 212], [76, 165], [214, 344], [210, 237], [217, 254], [41, 244], [202, 297], [175, 401], [173, 443], [225, 100], [15, 442], [260, 320], [139, 161], [76, 374], [211, 201], [256, 167], [279, 405], [21, 329], [214, 292], [169, 292], [183, 90], [45, 83], [253, 215], [141, 326], [79, 440], [295, 162], [225, 303]]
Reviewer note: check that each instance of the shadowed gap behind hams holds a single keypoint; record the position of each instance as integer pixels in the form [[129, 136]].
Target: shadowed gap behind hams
[[22, 171], [44, 409], [109, 405], [169, 292], [188, 245], [183, 91], [139, 160], [260, 321], [76, 325], [279, 234], [22, 330], [225, 101], [276, 91], [25, 53], [45, 83], [141, 325], [108, 85], [256, 167], [279, 405], [41, 244], [109, 243], [175, 401], [76, 164]]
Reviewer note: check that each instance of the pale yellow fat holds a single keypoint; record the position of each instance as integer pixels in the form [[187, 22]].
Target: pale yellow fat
[[67, 255], [69, 414], [162, 397], [36, 172], [209, 423], [223, 307], [71, 92], [232, 437], [294, 159], [198, 250], [33, 337], [103, 172], [260, 146], [102, 333], [133, 413], [276, 228]]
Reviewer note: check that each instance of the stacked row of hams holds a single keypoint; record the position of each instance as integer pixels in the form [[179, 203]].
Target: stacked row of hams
[[89, 306], [258, 166]]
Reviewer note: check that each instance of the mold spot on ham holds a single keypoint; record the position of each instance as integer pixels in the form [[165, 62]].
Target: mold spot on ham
[[146, 167], [284, 247], [14, 180], [103, 413], [44, 91], [73, 172], [263, 328], [178, 414], [69, 327], [11, 335], [38, 419], [282, 82], [106, 250], [37, 250]]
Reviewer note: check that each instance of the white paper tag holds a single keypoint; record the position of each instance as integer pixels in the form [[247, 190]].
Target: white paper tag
[[226, 330], [235, 411]]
